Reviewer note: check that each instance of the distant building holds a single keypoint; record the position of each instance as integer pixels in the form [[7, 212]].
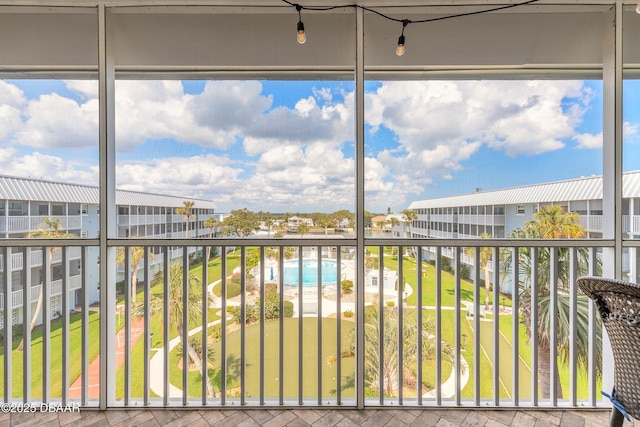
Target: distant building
[[26, 203], [294, 222]]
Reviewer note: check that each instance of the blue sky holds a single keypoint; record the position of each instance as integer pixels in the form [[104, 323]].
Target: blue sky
[[288, 146]]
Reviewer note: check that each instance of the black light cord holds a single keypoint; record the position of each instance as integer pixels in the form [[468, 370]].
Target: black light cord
[[405, 22], [440, 18]]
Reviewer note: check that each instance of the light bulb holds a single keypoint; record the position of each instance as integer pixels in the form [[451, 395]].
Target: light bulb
[[302, 37], [400, 47], [638, 7]]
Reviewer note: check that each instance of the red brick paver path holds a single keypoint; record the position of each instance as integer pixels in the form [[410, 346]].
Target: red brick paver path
[[75, 391]]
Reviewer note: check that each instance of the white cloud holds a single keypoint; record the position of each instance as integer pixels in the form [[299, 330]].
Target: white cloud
[[44, 166], [87, 89], [588, 140], [54, 121], [630, 131], [198, 176]]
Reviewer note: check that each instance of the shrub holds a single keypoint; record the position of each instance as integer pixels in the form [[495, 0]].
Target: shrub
[[391, 303], [348, 313], [288, 309], [347, 286]]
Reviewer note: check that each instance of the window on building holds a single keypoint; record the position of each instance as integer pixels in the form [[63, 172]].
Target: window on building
[[520, 210]]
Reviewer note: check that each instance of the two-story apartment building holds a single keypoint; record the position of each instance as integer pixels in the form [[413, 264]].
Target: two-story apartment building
[[26, 203]]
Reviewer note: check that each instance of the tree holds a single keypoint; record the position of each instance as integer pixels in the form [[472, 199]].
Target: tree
[[410, 216], [486, 254], [136, 255], [211, 223], [49, 228], [241, 222], [325, 221], [269, 223], [186, 210], [389, 369], [553, 222], [303, 229], [175, 306], [393, 222]]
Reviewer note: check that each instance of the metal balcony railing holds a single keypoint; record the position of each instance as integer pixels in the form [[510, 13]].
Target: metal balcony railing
[[308, 322]]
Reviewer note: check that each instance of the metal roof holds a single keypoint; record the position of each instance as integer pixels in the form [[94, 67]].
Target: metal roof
[[589, 188], [15, 188]]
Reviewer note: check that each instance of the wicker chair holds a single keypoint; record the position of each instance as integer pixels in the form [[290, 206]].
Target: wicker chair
[[619, 305]]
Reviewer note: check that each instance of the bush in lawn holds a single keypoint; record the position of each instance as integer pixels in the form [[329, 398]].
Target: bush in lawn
[[347, 286]]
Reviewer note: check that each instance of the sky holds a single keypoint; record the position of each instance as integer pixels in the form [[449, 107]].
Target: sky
[[288, 146]]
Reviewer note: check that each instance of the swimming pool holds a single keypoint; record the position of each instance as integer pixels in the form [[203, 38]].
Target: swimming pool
[[309, 272]]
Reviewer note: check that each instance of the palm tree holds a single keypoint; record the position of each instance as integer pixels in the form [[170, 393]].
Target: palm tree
[[302, 229], [393, 221], [268, 223], [486, 255], [388, 365], [211, 223], [194, 311], [135, 257], [410, 216], [186, 210], [552, 222], [49, 228]]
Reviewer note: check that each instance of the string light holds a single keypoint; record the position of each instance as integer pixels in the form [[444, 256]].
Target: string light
[[302, 37], [400, 48]]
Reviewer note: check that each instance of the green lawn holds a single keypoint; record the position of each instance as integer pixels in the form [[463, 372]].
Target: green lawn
[[55, 356], [272, 379]]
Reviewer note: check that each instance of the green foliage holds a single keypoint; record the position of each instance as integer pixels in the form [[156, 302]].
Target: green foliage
[[348, 313], [241, 222], [465, 270], [271, 309], [347, 286]]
